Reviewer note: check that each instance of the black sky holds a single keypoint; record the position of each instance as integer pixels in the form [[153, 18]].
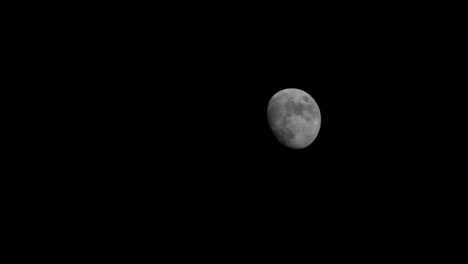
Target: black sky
[[391, 97], [391, 102], [384, 126], [389, 142]]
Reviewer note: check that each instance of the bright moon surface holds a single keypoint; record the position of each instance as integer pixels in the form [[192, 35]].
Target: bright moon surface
[[294, 118]]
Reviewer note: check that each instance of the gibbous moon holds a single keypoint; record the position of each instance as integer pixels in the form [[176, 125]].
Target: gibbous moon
[[294, 118]]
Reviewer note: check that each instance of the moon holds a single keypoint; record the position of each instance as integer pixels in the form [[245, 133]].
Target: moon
[[294, 118]]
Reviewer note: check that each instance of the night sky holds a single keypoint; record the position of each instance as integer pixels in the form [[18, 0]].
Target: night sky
[[388, 149], [385, 127], [392, 140]]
